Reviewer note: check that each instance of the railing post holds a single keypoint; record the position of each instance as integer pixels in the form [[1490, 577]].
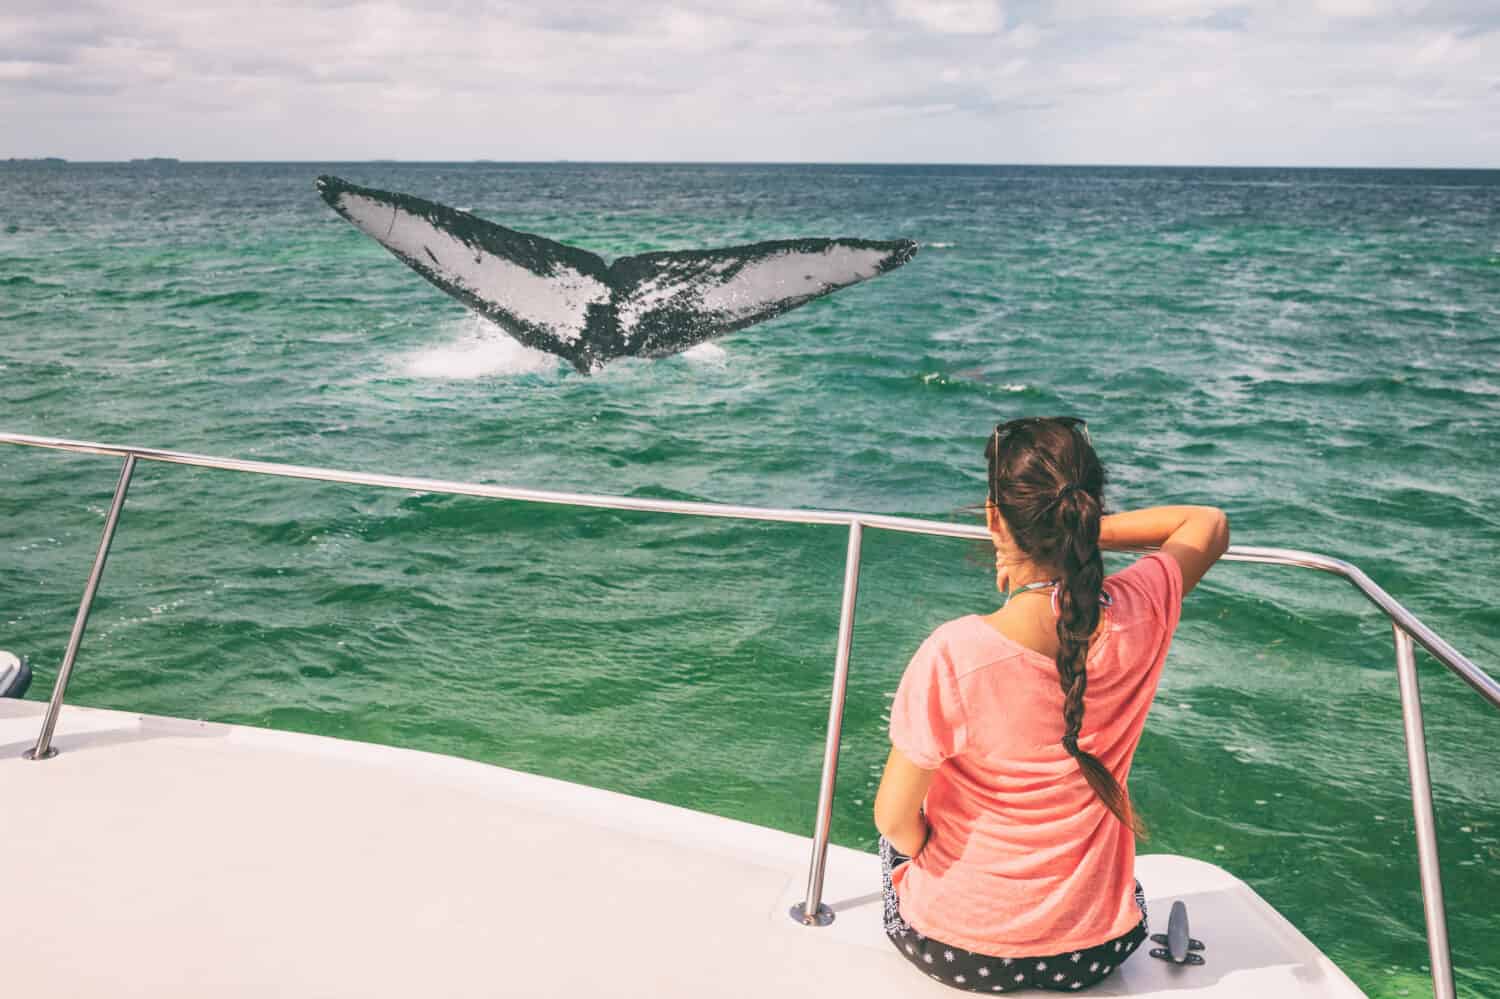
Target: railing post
[[811, 911], [1421, 803], [43, 748]]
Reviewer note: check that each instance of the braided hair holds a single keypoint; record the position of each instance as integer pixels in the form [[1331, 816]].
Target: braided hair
[[1048, 485]]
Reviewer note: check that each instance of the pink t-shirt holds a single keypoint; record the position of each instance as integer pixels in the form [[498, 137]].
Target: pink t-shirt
[[1025, 859]]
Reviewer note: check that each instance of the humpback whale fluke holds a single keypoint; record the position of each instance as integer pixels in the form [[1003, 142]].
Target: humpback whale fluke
[[567, 301]]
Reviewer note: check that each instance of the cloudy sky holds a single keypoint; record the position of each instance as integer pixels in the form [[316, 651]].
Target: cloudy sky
[[1265, 82]]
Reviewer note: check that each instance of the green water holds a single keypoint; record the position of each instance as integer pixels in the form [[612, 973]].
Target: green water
[[1315, 351]]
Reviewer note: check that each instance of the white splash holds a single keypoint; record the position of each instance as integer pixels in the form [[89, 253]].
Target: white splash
[[482, 350], [708, 355], [558, 303]]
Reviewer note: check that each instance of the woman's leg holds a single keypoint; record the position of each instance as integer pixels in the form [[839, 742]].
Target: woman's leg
[[950, 965], [1076, 970]]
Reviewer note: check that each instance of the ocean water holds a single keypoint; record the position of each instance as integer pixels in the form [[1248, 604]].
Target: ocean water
[[1317, 351]]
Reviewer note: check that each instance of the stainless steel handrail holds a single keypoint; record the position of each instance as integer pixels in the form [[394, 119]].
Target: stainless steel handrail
[[1407, 627], [1450, 657]]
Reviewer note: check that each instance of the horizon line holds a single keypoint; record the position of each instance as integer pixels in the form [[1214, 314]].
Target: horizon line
[[163, 160]]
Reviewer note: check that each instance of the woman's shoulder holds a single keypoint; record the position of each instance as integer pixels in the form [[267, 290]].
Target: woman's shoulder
[[962, 633], [961, 645]]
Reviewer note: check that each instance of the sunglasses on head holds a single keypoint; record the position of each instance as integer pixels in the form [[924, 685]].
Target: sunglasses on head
[[1003, 431]]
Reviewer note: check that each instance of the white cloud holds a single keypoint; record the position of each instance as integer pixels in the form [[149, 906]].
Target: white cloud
[[952, 17], [1354, 8], [1207, 81], [1024, 36]]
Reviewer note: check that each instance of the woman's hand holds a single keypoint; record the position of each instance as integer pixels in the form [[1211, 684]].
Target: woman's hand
[[898, 804]]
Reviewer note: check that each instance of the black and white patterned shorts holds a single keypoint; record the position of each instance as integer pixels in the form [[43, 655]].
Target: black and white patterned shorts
[[1070, 971]]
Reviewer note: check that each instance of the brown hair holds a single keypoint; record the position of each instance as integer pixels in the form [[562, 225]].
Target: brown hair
[[1048, 485]]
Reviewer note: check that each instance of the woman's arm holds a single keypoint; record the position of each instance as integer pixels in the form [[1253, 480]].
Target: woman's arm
[[1195, 536], [898, 804]]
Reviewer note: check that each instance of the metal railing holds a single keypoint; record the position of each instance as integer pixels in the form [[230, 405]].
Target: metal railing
[[1407, 630]]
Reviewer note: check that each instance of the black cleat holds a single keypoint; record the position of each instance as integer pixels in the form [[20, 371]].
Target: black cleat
[[1179, 947]]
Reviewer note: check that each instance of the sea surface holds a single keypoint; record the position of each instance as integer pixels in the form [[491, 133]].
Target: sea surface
[[1317, 351]]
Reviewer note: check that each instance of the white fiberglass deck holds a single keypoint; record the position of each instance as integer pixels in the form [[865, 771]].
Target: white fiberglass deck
[[159, 857]]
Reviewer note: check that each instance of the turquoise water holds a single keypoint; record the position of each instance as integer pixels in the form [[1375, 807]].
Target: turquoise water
[[1316, 351]]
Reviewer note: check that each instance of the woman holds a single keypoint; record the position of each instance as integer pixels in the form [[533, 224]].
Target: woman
[[1016, 730]]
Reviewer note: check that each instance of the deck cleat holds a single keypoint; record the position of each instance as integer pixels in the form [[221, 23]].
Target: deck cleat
[[1179, 946]]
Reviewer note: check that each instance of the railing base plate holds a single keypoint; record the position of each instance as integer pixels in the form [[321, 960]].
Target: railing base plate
[[822, 917]]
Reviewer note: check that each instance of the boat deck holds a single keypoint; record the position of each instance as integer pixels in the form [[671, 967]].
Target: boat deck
[[161, 857]]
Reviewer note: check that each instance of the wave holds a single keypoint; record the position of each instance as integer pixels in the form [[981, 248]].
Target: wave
[[242, 301], [22, 281]]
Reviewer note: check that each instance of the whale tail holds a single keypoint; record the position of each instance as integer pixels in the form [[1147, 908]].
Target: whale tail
[[567, 301], [667, 302], [538, 291]]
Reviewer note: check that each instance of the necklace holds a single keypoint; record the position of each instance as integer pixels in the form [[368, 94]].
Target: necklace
[[1105, 599], [1040, 584]]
